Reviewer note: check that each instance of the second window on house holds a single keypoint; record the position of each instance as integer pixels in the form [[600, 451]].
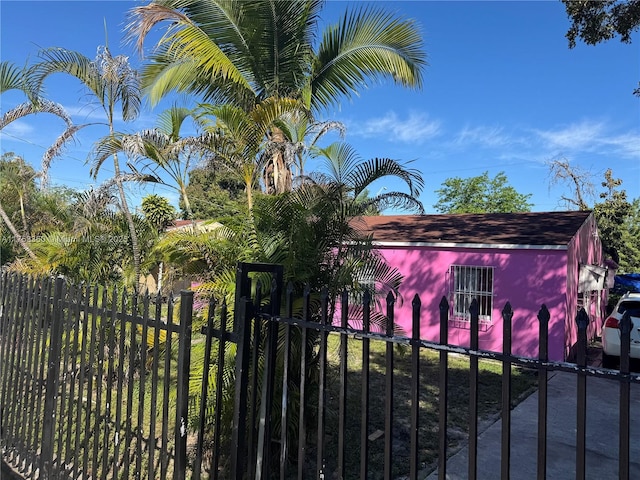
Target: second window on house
[[467, 283]]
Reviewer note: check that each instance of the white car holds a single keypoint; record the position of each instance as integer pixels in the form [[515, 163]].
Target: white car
[[629, 302]]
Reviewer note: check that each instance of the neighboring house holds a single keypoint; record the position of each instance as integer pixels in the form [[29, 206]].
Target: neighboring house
[[160, 281], [187, 225], [528, 259]]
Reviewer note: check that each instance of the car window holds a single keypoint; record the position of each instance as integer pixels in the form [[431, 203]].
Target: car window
[[632, 307]]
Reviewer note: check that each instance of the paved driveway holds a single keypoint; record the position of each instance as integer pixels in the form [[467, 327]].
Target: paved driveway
[[602, 435]]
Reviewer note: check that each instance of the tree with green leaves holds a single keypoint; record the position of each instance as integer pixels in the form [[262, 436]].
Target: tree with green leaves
[[611, 214], [216, 194], [92, 244], [629, 253], [481, 194], [244, 53], [158, 211], [599, 21], [595, 22]]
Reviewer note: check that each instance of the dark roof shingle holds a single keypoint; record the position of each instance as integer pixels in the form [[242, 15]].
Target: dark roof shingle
[[532, 228]]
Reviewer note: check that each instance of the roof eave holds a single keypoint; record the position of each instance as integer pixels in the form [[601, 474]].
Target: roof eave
[[496, 246]]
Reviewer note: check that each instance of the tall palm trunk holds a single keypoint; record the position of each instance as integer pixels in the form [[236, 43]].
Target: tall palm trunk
[[277, 172], [187, 206], [124, 205], [23, 214], [15, 233]]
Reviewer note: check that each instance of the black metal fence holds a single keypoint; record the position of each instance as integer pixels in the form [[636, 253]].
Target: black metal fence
[[97, 384], [90, 382]]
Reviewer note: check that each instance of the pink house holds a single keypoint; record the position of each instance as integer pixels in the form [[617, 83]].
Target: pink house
[[528, 259]]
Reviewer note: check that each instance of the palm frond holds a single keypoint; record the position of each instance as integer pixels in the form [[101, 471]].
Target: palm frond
[[368, 45], [60, 60], [365, 173], [398, 201], [121, 78], [55, 150], [170, 121], [29, 108], [188, 51], [11, 77], [340, 159], [104, 148]]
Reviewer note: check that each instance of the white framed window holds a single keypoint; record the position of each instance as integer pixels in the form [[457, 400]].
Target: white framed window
[[469, 282]]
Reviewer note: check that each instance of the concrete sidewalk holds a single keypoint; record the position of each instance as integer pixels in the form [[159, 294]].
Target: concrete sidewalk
[[602, 435]]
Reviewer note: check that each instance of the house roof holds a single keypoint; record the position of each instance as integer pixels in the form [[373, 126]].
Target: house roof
[[187, 225], [179, 224], [536, 229]]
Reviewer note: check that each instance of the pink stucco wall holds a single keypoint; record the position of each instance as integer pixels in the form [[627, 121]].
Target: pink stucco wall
[[525, 277], [585, 248]]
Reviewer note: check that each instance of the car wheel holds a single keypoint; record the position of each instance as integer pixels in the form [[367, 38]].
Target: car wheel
[[609, 361]]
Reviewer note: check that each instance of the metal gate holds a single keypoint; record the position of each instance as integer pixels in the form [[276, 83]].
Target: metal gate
[[98, 384]]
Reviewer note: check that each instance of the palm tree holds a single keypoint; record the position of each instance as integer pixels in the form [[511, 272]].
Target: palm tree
[[163, 148], [111, 80], [322, 214], [242, 135], [301, 136], [242, 53], [18, 178], [14, 78]]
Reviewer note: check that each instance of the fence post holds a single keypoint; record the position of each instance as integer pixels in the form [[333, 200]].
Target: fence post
[[505, 464], [543, 355], [625, 391], [182, 400], [51, 386], [443, 390], [389, 404], [474, 311], [582, 319], [415, 386], [242, 328]]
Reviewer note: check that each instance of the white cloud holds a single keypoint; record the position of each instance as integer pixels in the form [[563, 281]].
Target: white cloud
[[627, 144], [581, 136], [416, 128], [593, 137], [485, 136], [18, 128]]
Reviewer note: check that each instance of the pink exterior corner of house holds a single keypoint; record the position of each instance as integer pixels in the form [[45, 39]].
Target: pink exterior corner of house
[[526, 276]]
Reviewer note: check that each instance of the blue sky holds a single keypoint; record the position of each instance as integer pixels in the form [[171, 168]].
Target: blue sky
[[502, 93]]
